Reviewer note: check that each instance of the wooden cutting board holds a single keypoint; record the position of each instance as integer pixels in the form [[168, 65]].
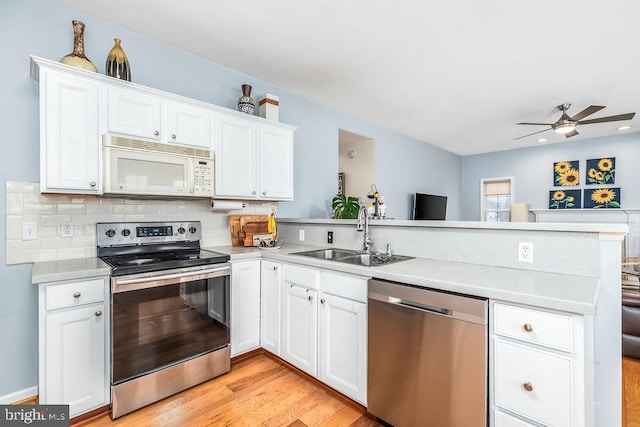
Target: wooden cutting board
[[237, 225]]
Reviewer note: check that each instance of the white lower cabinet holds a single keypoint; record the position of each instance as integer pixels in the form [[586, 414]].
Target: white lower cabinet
[[324, 327], [245, 306], [270, 279], [537, 367], [74, 344]]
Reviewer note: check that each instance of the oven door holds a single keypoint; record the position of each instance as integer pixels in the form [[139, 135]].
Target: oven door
[[164, 318]]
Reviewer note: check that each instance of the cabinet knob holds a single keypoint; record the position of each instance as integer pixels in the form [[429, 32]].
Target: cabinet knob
[[528, 327], [253, 192], [264, 193], [275, 267], [156, 133], [173, 136], [310, 297], [322, 301], [98, 313], [527, 386], [76, 295], [92, 184]]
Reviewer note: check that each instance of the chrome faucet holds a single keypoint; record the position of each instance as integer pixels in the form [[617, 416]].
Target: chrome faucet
[[363, 225]]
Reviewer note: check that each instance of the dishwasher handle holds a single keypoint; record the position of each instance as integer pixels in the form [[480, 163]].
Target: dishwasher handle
[[431, 301]]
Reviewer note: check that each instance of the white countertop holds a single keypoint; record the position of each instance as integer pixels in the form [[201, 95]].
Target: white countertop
[[71, 269], [576, 294]]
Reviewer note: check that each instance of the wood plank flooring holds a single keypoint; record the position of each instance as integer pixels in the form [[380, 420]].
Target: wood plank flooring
[[630, 392], [259, 391]]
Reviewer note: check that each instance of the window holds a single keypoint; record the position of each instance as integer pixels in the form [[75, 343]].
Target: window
[[496, 199]]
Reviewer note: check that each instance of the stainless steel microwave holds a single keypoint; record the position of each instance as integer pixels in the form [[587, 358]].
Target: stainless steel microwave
[[146, 168]]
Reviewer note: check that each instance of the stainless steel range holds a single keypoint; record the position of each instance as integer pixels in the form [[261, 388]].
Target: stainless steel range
[[170, 310]]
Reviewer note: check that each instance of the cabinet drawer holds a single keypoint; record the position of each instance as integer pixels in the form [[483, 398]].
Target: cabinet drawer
[[346, 286], [533, 383], [301, 276], [504, 420], [538, 327], [74, 293]]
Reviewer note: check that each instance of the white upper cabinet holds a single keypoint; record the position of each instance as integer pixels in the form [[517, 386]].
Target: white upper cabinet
[[136, 114], [253, 160], [69, 134]]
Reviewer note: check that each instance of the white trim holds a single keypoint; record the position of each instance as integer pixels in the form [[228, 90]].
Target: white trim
[[19, 395], [486, 180]]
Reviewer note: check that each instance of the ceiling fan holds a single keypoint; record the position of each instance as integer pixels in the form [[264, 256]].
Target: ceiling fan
[[566, 125]]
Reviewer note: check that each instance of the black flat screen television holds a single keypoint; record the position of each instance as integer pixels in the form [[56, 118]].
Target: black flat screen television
[[429, 207]]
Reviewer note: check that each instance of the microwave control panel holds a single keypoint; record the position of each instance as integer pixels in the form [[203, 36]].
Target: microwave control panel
[[202, 177]]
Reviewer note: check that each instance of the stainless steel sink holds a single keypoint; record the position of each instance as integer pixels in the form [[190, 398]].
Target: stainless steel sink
[[349, 256], [330, 254]]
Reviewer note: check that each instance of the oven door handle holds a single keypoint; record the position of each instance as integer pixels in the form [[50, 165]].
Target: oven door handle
[[138, 283]]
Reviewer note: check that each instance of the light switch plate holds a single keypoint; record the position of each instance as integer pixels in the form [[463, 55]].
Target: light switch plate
[[29, 231]]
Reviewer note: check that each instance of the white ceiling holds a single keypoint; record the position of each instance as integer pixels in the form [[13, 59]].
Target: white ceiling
[[457, 74]]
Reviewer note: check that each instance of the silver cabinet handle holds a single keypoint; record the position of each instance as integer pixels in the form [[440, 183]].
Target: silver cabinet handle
[[310, 297], [528, 327], [173, 136], [275, 267], [322, 301], [527, 386], [93, 184], [76, 295], [98, 313], [156, 133], [264, 193], [253, 192]]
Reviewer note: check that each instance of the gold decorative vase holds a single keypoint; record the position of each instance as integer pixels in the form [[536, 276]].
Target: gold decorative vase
[[118, 63], [77, 58]]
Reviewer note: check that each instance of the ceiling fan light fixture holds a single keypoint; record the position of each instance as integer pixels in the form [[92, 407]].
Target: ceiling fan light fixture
[[564, 128]]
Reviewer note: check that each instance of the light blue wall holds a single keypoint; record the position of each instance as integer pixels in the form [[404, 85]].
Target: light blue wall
[[43, 28], [532, 167]]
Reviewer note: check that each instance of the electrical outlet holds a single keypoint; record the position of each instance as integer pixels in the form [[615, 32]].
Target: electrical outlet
[[29, 231], [525, 252], [66, 229], [329, 236], [301, 235]]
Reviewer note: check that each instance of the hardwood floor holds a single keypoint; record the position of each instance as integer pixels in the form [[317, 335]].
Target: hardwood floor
[[258, 391]]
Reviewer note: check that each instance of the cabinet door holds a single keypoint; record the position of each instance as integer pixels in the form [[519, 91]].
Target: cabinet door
[[75, 358], [270, 278], [133, 113], [343, 345], [245, 306], [276, 163], [300, 327], [189, 125], [236, 159], [70, 140]]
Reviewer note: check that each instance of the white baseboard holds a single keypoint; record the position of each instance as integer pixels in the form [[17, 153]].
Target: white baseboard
[[19, 395]]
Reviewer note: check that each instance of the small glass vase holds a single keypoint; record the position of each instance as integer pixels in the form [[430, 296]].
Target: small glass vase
[[117, 63], [246, 104], [77, 58]]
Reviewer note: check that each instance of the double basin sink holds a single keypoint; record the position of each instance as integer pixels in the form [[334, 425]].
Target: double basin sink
[[348, 256]]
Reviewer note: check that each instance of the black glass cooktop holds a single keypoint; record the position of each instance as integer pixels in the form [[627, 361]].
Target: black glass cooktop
[[165, 260]]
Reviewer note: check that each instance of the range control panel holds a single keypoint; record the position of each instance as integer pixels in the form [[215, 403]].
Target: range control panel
[[136, 233]]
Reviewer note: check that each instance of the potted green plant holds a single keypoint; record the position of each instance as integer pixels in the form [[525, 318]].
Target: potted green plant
[[345, 207]]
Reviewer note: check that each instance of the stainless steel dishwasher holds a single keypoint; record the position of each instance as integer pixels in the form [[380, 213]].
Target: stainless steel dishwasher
[[427, 356]]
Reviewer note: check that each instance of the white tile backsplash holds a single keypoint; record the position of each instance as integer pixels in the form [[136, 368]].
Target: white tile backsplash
[[24, 203]]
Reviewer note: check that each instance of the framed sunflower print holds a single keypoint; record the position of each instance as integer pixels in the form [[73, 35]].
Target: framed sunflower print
[[602, 198], [565, 199], [566, 173], [601, 171]]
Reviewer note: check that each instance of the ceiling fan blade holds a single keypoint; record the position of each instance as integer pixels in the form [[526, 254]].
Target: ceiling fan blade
[[587, 112], [570, 134], [617, 118], [540, 131], [536, 124]]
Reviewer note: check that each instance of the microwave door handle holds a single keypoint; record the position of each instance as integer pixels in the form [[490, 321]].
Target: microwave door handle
[[191, 172]]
